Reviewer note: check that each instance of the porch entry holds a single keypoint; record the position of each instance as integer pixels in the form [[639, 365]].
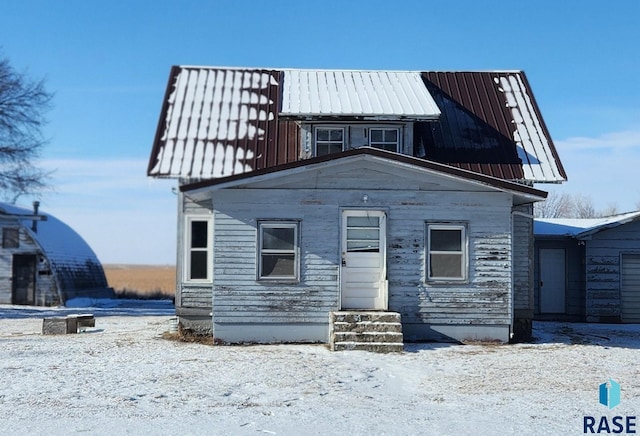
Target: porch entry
[[363, 271], [24, 278], [552, 280]]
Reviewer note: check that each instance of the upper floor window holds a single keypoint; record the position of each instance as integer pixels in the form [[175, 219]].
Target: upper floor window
[[329, 140], [384, 138], [198, 256]]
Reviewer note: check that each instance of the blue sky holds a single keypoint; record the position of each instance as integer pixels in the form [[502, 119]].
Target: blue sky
[[108, 64]]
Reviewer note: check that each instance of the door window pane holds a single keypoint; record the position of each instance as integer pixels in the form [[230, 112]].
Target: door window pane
[[363, 234], [363, 221]]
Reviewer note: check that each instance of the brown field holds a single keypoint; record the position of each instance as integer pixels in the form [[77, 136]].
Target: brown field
[[142, 281]]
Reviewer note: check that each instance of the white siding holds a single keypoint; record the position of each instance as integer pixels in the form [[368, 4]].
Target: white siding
[[484, 300]]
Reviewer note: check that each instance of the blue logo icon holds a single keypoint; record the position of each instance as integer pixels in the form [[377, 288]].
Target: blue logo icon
[[610, 394]]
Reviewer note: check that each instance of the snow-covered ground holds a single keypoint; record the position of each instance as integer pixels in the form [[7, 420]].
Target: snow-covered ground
[[121, 377]]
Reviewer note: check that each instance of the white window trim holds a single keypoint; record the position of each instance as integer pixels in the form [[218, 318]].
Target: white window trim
[[465, 251], [186, 270], [398, 135], [328, 127], [295, 224]]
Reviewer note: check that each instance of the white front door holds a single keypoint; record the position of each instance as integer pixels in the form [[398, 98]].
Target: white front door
[[363, 273], [552, 280]]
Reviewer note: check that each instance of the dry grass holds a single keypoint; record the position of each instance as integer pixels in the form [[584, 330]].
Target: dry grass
[[142, 281]]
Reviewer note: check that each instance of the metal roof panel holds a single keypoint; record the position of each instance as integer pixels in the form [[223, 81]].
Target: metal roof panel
[[400, 94]]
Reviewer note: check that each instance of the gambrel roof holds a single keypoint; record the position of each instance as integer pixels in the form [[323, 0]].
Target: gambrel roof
[[219, 121]]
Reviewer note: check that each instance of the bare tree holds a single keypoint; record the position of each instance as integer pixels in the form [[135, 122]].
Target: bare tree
[[557, 205], [22, 105], [612, 209], [583, 207], [564, 205]]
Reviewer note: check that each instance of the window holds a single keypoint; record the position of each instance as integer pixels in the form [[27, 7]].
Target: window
[[329, 140], [446, 252], [10, 237], [278, 250], [385, 139], [198, 242]]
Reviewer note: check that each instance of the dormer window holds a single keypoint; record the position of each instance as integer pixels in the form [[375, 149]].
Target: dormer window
[[334, 138], [329, 140], [385, 139]]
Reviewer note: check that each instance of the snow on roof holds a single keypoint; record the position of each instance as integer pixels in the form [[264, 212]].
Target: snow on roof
[[220, 121], [533, 145], [73, 261], [394, 94], [580, 227]]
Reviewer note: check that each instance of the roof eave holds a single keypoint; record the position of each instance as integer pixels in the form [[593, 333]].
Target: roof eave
[[524, 193]]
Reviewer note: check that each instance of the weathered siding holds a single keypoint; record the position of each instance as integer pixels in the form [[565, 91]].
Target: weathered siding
[[523, 303], [603, 254], [484, 300], [193, 301], [46, 293]]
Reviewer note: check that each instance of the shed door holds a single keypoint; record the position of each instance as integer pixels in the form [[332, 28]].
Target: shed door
[[552, 280], [24, 278], [363, 273], [630, 288]]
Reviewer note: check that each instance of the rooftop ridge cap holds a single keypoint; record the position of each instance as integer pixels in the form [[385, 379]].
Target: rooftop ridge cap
[[373, 70]]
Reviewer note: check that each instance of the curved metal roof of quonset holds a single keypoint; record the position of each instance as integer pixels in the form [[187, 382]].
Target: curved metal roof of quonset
[[74, 264]]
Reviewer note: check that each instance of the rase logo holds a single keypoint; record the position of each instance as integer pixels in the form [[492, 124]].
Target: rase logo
[[610, 397]]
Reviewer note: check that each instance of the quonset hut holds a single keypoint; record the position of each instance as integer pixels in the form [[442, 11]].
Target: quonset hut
[[44, 262]]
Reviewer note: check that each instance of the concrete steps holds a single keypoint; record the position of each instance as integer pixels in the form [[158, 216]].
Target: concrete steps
[[379, 332]]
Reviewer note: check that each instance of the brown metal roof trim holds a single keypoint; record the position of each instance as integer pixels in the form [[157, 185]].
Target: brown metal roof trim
[[476, 128], [162, 119], [242, 132], [419, 162]]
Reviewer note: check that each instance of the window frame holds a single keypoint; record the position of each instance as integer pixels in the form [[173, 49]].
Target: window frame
[[464, 251], [316, 129], [188, 249], [262, 224], [6, 238], [385, 128]]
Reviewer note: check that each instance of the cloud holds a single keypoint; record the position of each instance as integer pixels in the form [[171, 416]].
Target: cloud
[[603, 168], [614, 140]]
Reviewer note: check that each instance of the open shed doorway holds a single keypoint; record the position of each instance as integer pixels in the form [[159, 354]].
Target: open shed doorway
[[24, 279]]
